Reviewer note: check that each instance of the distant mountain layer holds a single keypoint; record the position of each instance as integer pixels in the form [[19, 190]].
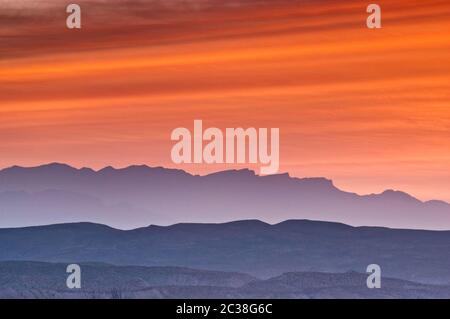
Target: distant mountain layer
[[139, 195], [251, 247], [47, 280]]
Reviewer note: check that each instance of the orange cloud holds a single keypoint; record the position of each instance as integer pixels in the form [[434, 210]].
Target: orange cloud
[[368, 108]]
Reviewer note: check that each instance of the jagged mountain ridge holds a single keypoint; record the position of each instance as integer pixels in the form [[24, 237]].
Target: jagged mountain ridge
[[140, 195]]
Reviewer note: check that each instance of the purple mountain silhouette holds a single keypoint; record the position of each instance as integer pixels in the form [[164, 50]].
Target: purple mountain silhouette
[[140, 195]]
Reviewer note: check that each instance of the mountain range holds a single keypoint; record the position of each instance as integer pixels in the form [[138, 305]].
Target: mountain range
[[140, 195], [252, 247]]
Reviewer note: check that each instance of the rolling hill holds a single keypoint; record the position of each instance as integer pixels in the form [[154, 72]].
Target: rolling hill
[[250, 246]]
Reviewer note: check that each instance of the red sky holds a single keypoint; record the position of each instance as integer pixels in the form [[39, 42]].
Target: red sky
[[369, 109]]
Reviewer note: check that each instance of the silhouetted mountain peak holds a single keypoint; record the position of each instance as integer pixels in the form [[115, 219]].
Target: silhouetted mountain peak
[[438, 203], [318, 182], [81, 226], [398, 195], [248, 224], [142, 171], [306, 223], [106, 169], [51, 167], [56, 165], [244, 225]]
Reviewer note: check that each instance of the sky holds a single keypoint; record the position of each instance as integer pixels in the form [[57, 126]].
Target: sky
[[369, 109]]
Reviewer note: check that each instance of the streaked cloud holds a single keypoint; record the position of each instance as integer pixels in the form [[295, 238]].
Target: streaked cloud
[[353, 104]]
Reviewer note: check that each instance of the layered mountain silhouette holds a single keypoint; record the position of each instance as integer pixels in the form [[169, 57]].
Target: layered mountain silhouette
[[47, 280], [252, 247], [140, 195]]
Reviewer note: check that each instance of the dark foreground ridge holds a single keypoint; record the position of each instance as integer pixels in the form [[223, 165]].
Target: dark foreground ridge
[[47, 280]]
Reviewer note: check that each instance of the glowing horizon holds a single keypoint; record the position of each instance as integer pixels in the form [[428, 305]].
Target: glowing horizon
[[368, 109]]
